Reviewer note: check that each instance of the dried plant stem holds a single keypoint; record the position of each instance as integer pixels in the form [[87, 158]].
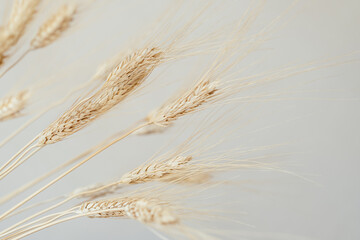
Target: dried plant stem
[[18, 153], [41, 178], [27, 186], [20, 160], [16, 227], [44, 220], [47, 224], [15, 63], [13, 104], [57, 169], [34, 205], [69, 171]]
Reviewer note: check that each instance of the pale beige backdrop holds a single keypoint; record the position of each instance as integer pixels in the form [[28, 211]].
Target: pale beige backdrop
[[319, 124]]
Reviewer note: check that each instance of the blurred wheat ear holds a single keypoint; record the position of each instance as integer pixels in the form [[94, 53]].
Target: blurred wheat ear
[[11, 106], [21, 15]]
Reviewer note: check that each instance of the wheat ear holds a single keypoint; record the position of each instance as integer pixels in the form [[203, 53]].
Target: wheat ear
[[44, 111], [53, 221], [21, 14], [122, 81], [202, 92], [149, 211], [54, 27], [153, 171], [11, 106]]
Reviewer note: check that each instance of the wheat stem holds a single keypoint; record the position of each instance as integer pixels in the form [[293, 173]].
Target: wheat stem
[[15, 63], [16, 227], [42, 226], [19, 161], [52, 222], [18, 153], [46, 175], [69, 171], [34, 205]]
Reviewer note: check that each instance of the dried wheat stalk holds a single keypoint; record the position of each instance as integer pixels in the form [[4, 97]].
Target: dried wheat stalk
[[155, 170], [174, 169], [203, 92], [122, 81], [12, 105], [21, 14], [54, 27], [148, 211]]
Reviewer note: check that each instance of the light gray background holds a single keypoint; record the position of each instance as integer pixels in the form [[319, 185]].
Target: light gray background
[[319, 122]]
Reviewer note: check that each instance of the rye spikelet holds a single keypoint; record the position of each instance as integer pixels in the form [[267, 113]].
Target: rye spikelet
[[122, 81], [11, 106], [54, 27], [21, 14], [148, 211]]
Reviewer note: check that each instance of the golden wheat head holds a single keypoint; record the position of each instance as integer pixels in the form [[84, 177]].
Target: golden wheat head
[[54, 27], [155, 170], [12, 105], [202, 92], [21, 14], [148, 211], [122, 81]]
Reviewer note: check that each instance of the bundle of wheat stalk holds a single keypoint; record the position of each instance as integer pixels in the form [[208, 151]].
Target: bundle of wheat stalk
[[159, 192]]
